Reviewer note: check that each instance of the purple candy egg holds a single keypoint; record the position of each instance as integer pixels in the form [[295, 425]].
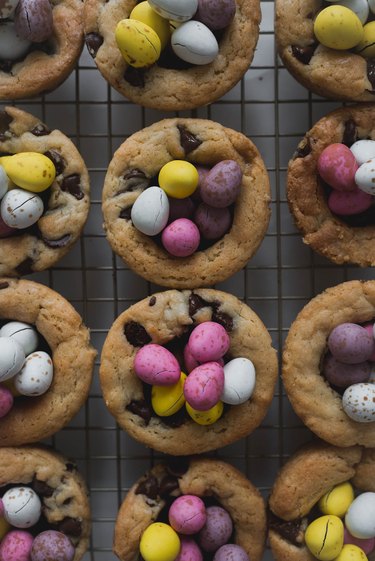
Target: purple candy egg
[[204, 386], [190, 361], [350, 343], [216, 14], [6, 401], [343, 375], [208, 341], [367, 545], [231, 552], [187, 514], [370, 330], [189, 551], [16, 546], [156, 365], [34, 20], [217, 530], [52, 545], [181, 238], [222, 184], [180, 208], [212, 222]]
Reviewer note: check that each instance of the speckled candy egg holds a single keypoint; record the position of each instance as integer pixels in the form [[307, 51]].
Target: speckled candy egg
[[206, 418], [175, 9], [31, 171], [239, 381], [144, 12], [358, 402], [360, 518], [337, 27], [154, 364], [6, 401], [12, 357], [204, 386], [36, 374], [187, 514], [222, 184], [7, 8], [208, 341], [212, 222], [22, 507], [348, 203], [363, 150], [150, 211], [231, 552], [52, 545], [181, 238], [12, 46], [367, 546], [350, 343], [351, 553], [21, 209], [167, 400], [195, 43], [189, 551], [34, 20], [337, 167], [159, 542], [217, 530], [139, 44], [216, 14], [343, 375], [365, 177], [24, 333], [324, 537], [16, 546]]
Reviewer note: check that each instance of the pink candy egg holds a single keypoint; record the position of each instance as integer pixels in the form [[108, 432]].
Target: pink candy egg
[[347, 203], [189, 551], [208, 341], [52, 545], [187, 514], [204, 386], [370, 330], [367, 546], [6, 401], [191, 362], [337, 166], [350, 343], [16, 546], [181, 238], [156, 365]]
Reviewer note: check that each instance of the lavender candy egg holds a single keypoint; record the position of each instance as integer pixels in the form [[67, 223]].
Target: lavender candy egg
[[216, 14], [217, 530], [189, 551], [370, 330], [343, 375], [22, 507], [12, 357], [239, 381], [181, 238], [21, 209], [6, 402], [358, 402], [204, 386], [212, 222], [24, 333], [187, 514], [34, 20], [16, 546], [231, 552], [350, 343], [36, 375], [208, 341], [12, 46], [156, 365], [7, 8], [52, 545], [222, 184], [348, 203]]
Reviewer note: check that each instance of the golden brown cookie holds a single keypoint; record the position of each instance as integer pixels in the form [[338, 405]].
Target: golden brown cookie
[[201, 142], [202, 477], [349, 240], [35, 418], [313, 399], [160, 86], [168, 317]]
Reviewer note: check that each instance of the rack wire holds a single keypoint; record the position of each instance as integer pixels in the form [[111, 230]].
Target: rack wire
[[270, 107]]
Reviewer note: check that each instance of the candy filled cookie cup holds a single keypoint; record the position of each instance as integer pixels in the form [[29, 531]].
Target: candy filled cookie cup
[[137, 163], [167, 319], [306, 477], [212, 480], [161, 85], [35, 418]]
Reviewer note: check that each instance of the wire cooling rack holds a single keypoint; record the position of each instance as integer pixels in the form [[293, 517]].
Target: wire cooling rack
[[270, 107]]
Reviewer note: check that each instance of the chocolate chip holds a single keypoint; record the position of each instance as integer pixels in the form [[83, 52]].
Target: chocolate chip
[[188, 140], [93, 42], [176, 420], [41, 488], [304, 54], [152, 301], [136, 334], [126, 213], [6, 65], [71, 526], [5, 121], [350, 133], [140, 408], [25, 267], [72, 184], [57, 159], [3, 285], [134, 179], [223, 318], [177, 466], [70, 466], [291, 530], [61, 242], [148, 487], [40, 130], [135, 76], [168, 484], [196, 303], [304, 149], [371, 72]]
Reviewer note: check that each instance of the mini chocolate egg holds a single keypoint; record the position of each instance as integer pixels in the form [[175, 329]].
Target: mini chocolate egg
[[231, 552], [206, 417], [146, 14], [337, 167], [216, 14], [212, 222], [337, 500], [208, 341], [363, 150], [358, 402], [24, 333], [6, 401], [360, 518], [350, 343], [175, 9], [181, 238], [167, 400], [193, 42], [239, 381], [368, 546], [52, 545], [22, 507], [348, 203], [324, 537], [12, 46], [36, 374], [178, 178], [366, 47], [217, 529], [365, 177], [8, 8], [189, 551], [351, 553], [16, 546], [138, 42], [150, 211], [343, 375], [30, 170], [34, 20], [21, 209], [159, 542], [12, 357], [154, 364], [204, 386], [4, 182], [337, 27], [222, 184], [359, 7], [187, 514]]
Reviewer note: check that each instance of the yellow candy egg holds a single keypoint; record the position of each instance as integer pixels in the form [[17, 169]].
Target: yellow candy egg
[[30, 170], [144, 13], [337, 27], [366, 47], [206, 417], [4, 527], [167, 400], [138, 42], [325, 537], [178, 179], [337, 500], [159, 542], [351, 553]]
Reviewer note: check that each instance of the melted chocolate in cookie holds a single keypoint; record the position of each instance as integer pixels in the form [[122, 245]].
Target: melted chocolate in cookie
[[93, 42], [350, 133], [41, 488], [290, 531], [188, 140], [152, 301], [136, 334], [126, 213], [57, 159], [304, 54], [5, 121], [70, 526], [141, 408], [3, 285], [148, 487], [304, 149], [134, 180], [40, 130], [25, 267], [72, 184], [197, 302], [135, 76], [61, 242]]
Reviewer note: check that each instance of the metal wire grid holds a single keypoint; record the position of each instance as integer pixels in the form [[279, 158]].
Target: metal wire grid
[[274, 111]]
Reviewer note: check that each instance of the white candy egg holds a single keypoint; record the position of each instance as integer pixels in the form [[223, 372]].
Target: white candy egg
[[359, 7], [195, 43], [360, 518], [22, 507], [24, 333], [176, 10], [4, 181], [363, 150], [36, 374], [12, 46], [12, 357], [358, 402], [371, 4], [8, 8], [365, 177], [20, 209], [150, 211], [239, 381]]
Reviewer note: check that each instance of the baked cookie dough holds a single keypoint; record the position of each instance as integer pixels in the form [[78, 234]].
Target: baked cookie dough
[[331, 73], [202, 477], [167, 316], [32, 419], [200, 142], [306, 477], [164, 88], [58, 484], [43, 244], [313, 399], [340, 240]]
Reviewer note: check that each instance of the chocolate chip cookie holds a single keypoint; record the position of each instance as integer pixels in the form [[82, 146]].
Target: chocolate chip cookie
[[201, 142], [205, 478], [58, 484], [306, 477], [66, 202], [32, 419], [166, 318]]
